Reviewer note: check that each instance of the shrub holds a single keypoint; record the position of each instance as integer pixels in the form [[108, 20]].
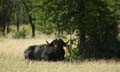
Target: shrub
[[21, 34]]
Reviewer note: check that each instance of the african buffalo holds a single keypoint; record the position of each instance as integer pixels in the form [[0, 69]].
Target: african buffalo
[[51, 51]]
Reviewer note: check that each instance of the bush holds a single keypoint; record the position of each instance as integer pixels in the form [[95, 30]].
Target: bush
[[21, 34], [73, 54]]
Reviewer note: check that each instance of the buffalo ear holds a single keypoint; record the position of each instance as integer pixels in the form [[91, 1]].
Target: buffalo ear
[[47, 42]]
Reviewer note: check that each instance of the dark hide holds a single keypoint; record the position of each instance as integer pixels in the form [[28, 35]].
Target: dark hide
[[50, 52]]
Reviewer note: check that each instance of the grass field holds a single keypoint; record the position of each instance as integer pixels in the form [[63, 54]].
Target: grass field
[[12, 60]]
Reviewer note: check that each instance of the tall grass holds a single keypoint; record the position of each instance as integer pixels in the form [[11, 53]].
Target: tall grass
[[12, 59]]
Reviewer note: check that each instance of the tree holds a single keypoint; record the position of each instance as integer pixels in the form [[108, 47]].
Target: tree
[[28, 8], [6, 12], [94, 19], [17, 9]]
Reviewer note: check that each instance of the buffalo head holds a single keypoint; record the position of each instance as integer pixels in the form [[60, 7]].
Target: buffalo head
[[58, 43]]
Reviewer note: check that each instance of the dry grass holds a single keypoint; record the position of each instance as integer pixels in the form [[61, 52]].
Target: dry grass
[[12, 60]]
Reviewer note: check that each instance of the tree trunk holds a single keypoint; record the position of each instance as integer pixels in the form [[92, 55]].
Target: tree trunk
[[32, 25], [82, 41], [30, 19], [4, 28], [18, 22], [8, 28]]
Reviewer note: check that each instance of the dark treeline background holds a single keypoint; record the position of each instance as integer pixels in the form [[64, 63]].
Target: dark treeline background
[[95, 22]]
